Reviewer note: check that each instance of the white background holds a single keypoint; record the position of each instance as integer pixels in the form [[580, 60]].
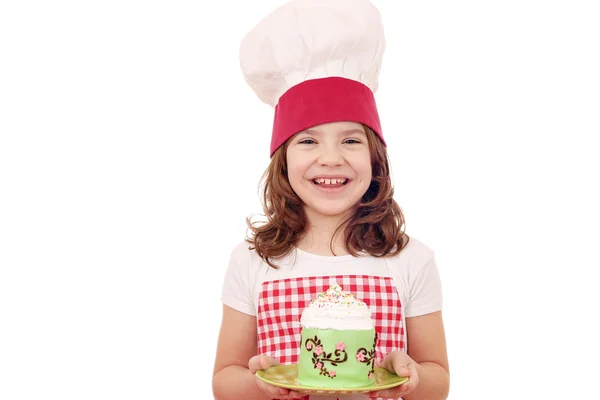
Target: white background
[[131, 151]]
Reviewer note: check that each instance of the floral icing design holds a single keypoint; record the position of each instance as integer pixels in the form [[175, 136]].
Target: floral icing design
[[367, 357], [320, 356]]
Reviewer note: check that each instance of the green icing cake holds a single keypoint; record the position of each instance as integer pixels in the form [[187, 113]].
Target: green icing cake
[[332, 358], [338, 342]]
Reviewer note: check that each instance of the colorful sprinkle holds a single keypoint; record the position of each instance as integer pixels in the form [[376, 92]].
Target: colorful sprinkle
[[335, 295]]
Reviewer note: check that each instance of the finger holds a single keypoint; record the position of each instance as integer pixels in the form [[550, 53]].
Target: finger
[[401, 368], [284, 394], [394, 393], [295, 395], [397, 391], [266, 362], [398, 369], [261, 362], [397, 363], [274, 392], [413, 380], [254, 364]]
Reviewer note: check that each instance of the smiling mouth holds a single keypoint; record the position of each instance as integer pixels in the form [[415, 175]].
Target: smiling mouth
[[326, 182]]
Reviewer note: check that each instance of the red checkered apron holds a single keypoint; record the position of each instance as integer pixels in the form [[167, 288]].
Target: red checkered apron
[[281, 303]]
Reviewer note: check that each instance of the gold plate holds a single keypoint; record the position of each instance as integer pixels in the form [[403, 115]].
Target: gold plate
[[286, 376]]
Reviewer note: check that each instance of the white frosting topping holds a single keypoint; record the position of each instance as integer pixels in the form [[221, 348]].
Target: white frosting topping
[[337, 309]]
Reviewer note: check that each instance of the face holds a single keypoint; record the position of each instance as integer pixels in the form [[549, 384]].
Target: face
[[329, 167]]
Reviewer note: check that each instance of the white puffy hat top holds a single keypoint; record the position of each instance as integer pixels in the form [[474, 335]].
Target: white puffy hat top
[[307, 40]]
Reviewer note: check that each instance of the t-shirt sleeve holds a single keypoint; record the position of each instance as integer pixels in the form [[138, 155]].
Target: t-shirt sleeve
[[237, 292], [425, 290]]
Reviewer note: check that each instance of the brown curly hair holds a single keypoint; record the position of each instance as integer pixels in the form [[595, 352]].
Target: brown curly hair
[[376, 225]]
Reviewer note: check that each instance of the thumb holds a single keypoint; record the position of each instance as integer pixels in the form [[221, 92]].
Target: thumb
[[261, 362], [396, 363], [404, 370], [267, 361]]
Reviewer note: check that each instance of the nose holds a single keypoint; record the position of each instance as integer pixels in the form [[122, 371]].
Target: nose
[[330, 156]]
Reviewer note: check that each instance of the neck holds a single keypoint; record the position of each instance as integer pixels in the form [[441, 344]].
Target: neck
[[320, 230]]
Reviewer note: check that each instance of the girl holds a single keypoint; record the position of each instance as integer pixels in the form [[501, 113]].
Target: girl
[[332, 218]]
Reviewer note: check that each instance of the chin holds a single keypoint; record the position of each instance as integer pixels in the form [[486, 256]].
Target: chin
[[330, 211]]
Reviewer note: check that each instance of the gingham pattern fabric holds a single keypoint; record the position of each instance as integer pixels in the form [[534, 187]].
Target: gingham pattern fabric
[[281, 303]]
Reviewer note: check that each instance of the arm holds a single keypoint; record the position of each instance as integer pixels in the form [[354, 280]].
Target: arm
[[232, 379], [427, 347]]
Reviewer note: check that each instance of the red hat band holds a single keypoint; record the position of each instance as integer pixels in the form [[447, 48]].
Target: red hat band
[[319, 101]]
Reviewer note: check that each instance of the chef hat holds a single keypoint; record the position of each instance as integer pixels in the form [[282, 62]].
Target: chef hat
[[316, 61]]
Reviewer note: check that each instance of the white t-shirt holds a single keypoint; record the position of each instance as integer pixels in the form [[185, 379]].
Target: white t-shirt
[[395, 288]]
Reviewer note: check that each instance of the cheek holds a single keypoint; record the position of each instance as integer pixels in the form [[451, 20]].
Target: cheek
[[362, 167], [296, 174], [297, 169], [295, 178]]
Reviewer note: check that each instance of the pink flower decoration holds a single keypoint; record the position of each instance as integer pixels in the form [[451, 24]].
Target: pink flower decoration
[[318, 365], [332, 373], [309, 346], [370, 375], [318, 350], [340, 346], [360, 357]]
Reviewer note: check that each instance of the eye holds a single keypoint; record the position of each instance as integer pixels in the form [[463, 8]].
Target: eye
[[307, 141], [351, 141]]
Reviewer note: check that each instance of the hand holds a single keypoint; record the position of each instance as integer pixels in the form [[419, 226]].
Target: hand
[[262, 362], [400, 364]]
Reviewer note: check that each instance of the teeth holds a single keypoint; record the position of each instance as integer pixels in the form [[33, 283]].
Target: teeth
[[330, 181]]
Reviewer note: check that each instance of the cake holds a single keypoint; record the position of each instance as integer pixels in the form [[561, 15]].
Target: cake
[[337, 342]]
